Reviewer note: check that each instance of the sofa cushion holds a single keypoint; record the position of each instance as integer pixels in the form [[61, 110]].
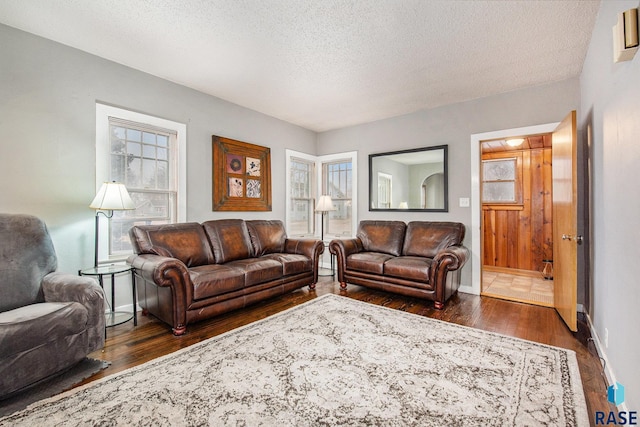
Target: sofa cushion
[[185, 241], [267, 236], [229, 239], [258, 270], [368, 262], [382, 236], [215, 279], [31, 326], [427, 238], [409, 267], [292, 263]]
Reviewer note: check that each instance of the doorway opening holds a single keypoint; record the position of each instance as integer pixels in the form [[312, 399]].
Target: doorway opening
[[517, 218]]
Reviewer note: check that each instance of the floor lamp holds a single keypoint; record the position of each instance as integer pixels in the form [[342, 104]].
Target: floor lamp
[[112, 196], [325, 204]]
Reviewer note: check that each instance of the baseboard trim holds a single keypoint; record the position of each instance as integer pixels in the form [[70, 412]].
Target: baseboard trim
[[608, 371]]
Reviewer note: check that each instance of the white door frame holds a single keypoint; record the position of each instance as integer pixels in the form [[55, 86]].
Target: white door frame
[[476, 227]]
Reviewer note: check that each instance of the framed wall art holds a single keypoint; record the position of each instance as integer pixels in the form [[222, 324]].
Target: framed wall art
[[241, 174]]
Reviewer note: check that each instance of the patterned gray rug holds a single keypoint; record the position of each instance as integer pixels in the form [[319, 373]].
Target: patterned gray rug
[[335, 361]]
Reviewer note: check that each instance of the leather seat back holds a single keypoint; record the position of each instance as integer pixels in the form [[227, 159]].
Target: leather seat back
[[184, 241], [229, 239], [427, 238], [382, 236]]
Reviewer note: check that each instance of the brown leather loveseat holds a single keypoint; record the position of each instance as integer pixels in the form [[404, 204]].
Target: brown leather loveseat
[[420, 259], [188, 272]]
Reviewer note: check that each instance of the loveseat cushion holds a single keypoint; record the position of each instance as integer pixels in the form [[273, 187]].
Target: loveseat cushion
[[184, 241], [258, 270], [215, 279], [292, 263], [427, 238], [409, 268], [267, 236], [382, 236], [229, 239], [30, 326], [368, 262]]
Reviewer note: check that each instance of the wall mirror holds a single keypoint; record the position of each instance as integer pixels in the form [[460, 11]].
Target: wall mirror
[[409, 180]]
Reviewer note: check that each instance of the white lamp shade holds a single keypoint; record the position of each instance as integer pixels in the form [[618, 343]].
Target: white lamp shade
[[112, 196], [325, 204], [403, 205]]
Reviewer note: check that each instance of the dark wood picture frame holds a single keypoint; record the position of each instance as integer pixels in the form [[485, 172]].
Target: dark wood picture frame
[[241, 176]]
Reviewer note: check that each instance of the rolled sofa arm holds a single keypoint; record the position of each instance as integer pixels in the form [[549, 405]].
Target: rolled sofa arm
[[167, 272], [309, 248], [64, 287], [451, 259], [342, 248], [456, 257]]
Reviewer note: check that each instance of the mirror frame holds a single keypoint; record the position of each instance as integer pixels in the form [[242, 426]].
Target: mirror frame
[[373, 186]]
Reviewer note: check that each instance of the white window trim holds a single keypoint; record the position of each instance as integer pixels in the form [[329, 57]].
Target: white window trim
[[319, 161], [103, 154]]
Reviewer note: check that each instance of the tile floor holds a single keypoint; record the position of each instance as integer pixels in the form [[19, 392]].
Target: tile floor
[[517, 285]]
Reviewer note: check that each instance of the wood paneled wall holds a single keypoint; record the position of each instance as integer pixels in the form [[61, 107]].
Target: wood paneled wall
[[520, 235]]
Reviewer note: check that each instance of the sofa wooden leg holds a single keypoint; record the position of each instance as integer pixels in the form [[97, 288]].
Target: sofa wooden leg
[[438, 305], [312, 286], [343, 285], [180, 330]]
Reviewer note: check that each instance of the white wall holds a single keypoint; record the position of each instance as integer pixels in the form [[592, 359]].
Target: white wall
[[47, 121], [452, 125], [610, 109]]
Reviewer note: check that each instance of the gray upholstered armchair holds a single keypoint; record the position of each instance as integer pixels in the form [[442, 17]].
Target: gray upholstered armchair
[[49, 321]]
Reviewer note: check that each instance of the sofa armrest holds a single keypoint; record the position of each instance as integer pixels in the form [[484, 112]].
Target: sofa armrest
[[342, 248], [452, 258], [309, 248], [167, 272], [62, 287]]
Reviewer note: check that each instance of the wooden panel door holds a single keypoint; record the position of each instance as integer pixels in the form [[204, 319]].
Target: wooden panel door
[[565, 218]]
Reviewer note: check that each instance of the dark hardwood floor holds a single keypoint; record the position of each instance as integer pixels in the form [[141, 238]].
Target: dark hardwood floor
[[128, 346]]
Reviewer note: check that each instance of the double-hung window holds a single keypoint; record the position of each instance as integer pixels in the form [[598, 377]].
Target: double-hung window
[[337, 182], [308, 178], [301, 196], [147, 155]]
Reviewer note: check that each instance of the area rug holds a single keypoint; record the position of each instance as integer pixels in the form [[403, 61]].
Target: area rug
[[335, 361], [63, 381]]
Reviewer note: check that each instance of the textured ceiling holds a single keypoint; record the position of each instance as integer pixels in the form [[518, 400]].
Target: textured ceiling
[[326, 64]]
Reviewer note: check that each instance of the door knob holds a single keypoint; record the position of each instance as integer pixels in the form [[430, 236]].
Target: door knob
[[578, 239]]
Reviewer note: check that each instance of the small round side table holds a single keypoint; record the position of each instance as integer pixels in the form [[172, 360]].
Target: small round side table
[[114, 317]]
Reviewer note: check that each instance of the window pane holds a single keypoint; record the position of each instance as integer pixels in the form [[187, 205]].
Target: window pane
[[162, 141], [498, 191], [149, 173], [163, 175], [149, 138], [149, 151], [300, 217], [118, 168], [499, 170], [134, 149], [340, 219], [163, 154], [134, 173], [134, 135]]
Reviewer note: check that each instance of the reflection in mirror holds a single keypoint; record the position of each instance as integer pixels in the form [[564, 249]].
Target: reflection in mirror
[[414, 180]]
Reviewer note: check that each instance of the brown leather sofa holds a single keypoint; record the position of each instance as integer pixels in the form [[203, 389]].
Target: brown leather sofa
[[188, 272], [421, 259]]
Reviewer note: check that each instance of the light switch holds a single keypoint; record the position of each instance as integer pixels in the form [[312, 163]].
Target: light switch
[[464, 202]]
